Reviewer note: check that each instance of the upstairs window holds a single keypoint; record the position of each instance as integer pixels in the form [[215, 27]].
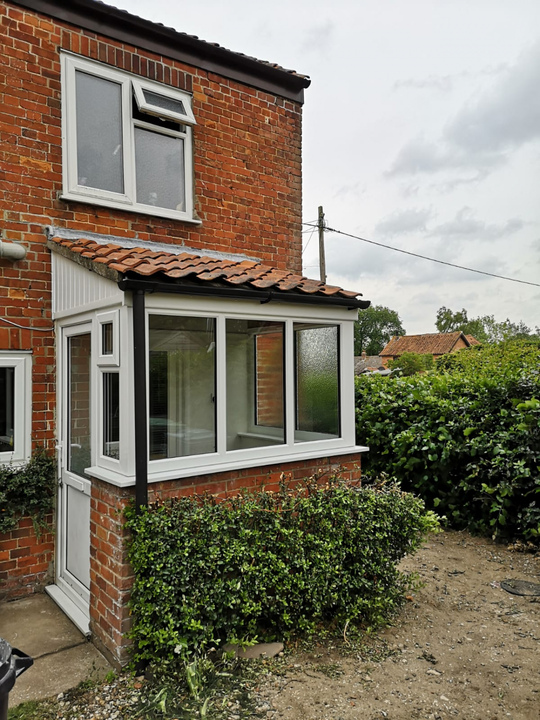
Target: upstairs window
[[127, 141]]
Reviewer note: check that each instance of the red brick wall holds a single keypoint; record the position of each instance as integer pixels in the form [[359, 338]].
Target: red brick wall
[[26, 559], [110, 573]]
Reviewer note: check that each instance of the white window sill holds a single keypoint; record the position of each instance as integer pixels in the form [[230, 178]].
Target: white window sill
[[119, 480], [139, 209]]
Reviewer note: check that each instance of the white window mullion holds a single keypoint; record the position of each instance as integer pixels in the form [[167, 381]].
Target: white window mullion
[[189, 179], [128, 134], [221, 387], [290, 399], [69, 126], [347, 409]]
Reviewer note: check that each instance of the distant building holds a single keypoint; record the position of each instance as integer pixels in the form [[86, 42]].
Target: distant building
[[367, 364], [435, 344]]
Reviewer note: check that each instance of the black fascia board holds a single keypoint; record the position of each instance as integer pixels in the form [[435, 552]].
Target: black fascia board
[[153, 37], [214, 290]]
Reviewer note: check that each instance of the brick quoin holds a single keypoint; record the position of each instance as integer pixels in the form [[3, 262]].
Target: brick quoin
[[110, 573]]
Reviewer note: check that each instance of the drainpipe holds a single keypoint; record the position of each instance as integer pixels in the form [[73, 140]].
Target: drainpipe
[[12, 251], [141, 424]]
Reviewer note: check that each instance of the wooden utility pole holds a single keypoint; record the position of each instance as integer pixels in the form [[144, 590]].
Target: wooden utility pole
[[322, 259]]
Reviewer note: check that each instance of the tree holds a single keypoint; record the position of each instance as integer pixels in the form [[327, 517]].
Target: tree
[[410, 363], [448, 321], [374, 328], [485, 328]]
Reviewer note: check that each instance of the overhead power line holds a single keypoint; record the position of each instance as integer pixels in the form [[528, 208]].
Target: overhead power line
[[425, 257]]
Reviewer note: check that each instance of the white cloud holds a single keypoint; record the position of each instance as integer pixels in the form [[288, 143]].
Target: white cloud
[[486, 129], [465, 225], [404, 221]]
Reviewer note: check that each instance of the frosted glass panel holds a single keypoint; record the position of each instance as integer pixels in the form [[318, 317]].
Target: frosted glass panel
[[7, 409], [255, 382], [182, 386], [317, 382], [160, 169], [99, 133], [166, 103]]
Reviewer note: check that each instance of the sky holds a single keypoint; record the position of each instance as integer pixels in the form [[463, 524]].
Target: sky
[[421, 130]]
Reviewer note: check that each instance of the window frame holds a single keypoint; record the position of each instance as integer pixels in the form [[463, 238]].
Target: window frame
[[290, 450], [132, 88], [22, 421]]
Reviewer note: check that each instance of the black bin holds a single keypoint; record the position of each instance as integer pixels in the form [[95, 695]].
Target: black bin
[[13, 662]]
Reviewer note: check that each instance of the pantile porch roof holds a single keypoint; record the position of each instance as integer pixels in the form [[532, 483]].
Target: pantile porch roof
[[169, 269]]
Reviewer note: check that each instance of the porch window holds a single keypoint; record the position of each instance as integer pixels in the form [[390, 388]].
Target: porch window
[[255, 384], [111, 415], [15, 400], [182, 392], [226, 385], [317, 381]]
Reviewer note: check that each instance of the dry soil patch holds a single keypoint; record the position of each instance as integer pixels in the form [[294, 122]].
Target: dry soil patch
[[462, 647]]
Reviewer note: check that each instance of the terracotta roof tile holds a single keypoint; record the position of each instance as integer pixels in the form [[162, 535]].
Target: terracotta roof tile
[[430, 343], [144, 262]]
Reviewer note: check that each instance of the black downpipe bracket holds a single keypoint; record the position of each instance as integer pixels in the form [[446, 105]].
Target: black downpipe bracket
[[139, 374]]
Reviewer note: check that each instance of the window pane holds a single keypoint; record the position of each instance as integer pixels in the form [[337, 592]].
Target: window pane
[[182, 386], [111, 415], [107, 339], [79, 403], [159, 160], [99, 133], [317, 382], [255, 381], [7, 409], [166, 103]]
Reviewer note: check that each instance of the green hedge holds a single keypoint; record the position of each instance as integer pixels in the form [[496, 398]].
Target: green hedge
[[27, 490], [268, 564], [465, 438]]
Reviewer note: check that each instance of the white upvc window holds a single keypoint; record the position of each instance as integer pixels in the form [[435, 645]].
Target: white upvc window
[[233, 389], [15, 406], [127, 141]]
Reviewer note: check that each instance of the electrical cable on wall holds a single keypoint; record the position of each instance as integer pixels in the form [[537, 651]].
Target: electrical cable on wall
[[25, 327]]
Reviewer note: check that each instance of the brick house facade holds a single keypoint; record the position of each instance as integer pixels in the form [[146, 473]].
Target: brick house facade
[[145, 263]]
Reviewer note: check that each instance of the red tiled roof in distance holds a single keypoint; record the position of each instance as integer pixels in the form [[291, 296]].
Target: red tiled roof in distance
[[117, 262], [430, 343]]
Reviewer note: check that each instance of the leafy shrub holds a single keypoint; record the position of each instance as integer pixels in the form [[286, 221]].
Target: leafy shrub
[[27, 490], [268, 564], [466, 438]]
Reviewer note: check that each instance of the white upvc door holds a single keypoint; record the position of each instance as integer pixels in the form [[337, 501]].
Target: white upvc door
[[72, 590]]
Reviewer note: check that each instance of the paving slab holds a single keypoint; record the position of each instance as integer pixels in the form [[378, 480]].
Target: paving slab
[[63, 657], [37, 626]]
